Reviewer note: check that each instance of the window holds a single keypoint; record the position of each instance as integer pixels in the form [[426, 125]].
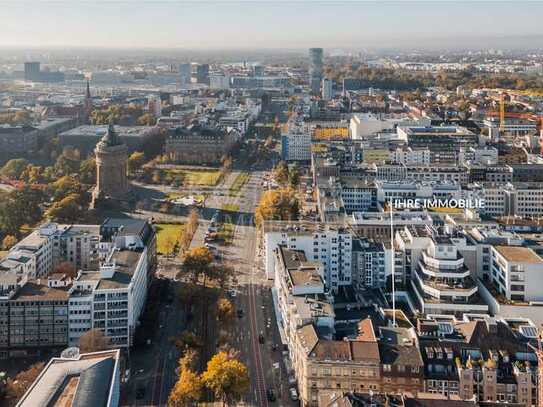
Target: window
[[387, 368]]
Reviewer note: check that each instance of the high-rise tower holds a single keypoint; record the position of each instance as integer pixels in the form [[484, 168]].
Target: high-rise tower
[[315, 69]]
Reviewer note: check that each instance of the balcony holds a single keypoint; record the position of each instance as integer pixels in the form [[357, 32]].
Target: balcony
[[439, 288], [447, 274], [441, 264]]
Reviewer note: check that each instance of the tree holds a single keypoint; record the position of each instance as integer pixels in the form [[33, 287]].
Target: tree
[[67, 210], [66, 165], [294, 176], [189, 360], [65, 186], [135, 161], [16, 387], [277, 205], [187, 390], [33, 174], [66, 268], [8, 242], [226, 377], [87, 171], [188, 231], [20, 207], [14, 168], [146, 119], [93, 340], [281, 173], [187, 340], [225, 310], [197, 262]]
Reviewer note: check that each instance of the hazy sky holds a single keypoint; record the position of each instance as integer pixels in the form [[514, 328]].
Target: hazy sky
[[269, 24]]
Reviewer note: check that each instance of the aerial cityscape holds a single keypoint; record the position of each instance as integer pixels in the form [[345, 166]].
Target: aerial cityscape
[[271, 203]]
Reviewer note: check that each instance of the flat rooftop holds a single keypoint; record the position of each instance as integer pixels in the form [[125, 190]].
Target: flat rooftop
[[99, 130], [519, 254]]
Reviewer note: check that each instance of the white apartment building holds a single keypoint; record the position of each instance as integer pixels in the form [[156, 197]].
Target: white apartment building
[[435, 272], [40, 252], [299, 289], [112, 298], [35, 251], [524, 199], [399, 190], [327, 243], [409, 156], [365, 124], [517, 273], [485, 156], [438, 173]]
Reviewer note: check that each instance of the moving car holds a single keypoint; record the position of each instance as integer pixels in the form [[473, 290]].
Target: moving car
[[270, 393]]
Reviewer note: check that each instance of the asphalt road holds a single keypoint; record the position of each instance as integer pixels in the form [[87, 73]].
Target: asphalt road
[[154, 369]]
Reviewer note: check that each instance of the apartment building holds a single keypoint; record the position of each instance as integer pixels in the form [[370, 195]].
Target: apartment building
[[41, 251], [364, 363], [33, 316], [441, 281], [330, 244], [299, 294], [409, 156], [440, 173], [517, 273], [54, 311], [369, 264], [433, 269], [521, 199], [444, 142], [376, 225], [479, 357], [296, 145], [391, 191]]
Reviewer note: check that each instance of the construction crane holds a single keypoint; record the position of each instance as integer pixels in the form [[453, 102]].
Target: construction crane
[[502, 114]]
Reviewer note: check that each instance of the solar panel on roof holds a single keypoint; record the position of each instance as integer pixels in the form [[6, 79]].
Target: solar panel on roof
[[528, 331], [445, 328]]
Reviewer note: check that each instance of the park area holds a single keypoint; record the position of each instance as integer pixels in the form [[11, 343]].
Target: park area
[[238, 183], [168, 237], [194, 177]]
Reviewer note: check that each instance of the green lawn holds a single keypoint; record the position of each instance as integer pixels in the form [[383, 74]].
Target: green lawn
[[168, 237], [230, 207], [238, 183], [196, 177]]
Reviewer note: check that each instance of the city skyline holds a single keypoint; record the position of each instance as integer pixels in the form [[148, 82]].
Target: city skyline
[[253, 24]]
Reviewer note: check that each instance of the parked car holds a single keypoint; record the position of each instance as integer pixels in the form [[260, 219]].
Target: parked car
[[293, 394], [270, 393]]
